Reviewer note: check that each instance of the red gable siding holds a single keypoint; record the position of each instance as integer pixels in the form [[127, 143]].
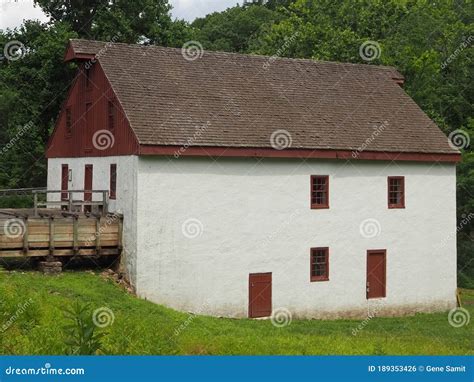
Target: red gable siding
[[90, 135]]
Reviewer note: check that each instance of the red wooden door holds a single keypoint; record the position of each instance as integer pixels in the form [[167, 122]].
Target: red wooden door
[[89, 127], [64, 181], [88, 176], [376, 273], [260, 295]]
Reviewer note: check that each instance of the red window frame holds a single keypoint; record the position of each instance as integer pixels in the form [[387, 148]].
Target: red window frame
[[68, 122], [315, 252], [113, 181], [319, 191], [396, 192], [111, 115], [64, 182]]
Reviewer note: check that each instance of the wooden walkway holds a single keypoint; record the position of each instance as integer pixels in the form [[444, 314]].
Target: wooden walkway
[[52, 232]]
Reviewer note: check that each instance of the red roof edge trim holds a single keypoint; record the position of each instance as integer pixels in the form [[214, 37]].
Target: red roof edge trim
[[178, 151]]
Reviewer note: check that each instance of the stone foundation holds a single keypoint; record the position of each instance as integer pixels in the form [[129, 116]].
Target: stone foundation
[[50, 267]]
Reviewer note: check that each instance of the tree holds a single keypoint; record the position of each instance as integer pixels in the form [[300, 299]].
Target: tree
[[32, 91], [33, 88], [235, 29], [127, 21]]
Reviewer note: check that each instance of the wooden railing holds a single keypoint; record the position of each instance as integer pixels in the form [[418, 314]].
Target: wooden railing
[[20, 191], [68, 203]]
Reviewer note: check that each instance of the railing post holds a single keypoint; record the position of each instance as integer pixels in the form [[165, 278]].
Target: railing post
[[51, 237], [75, 234], [70, 201], [36, 204], [97, 236], [26, 237], [105, 208]]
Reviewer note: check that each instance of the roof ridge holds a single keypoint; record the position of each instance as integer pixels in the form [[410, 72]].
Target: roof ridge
[[252, 55]]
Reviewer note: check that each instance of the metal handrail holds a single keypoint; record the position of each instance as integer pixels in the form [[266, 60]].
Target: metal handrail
[[69, 200]]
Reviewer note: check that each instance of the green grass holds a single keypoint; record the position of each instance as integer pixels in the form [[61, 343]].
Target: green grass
[[143, 328]]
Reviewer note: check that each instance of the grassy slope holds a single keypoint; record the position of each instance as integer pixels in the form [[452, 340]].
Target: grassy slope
[[141, 327]]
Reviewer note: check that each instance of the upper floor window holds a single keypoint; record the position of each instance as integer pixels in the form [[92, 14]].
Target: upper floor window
[[319, 191], [68, 121], [111, 115], [396, 192], [87, 71], [320, 264], [113, 181]]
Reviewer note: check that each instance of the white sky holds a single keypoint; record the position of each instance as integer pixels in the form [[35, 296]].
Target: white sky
[[12, 12]]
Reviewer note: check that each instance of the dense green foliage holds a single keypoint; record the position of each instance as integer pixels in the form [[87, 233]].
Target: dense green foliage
[[31, 302], [429, 41]]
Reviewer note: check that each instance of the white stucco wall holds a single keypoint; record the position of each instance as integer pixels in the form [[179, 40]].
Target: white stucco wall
[[255, 217], [125, 202]]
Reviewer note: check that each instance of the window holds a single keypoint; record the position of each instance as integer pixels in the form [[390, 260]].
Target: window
[[113, 181], [87, 71], [64, 181], [111, 115], [396, 192], [319, 191], [319, 264], [68, 122]]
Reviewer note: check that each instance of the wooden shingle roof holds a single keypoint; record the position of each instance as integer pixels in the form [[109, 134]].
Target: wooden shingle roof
[[238, 101]]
